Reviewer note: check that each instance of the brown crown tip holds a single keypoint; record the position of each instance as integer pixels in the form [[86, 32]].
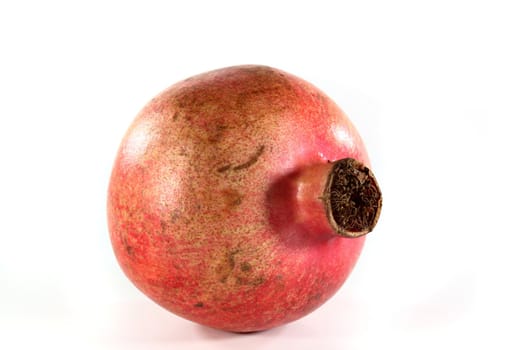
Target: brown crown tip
[[352, 198]]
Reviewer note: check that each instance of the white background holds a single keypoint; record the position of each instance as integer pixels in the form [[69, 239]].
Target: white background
[[436, 88]]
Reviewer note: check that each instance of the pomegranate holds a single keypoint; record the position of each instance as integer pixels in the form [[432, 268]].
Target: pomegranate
[[240, 197]]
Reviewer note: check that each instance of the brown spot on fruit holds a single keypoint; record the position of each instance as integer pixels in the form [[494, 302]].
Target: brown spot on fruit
[[257, 281], [225, 267], [224, 168], [127, 247], [246, 267], [231, 197], [252, 160], [314, 297], [130, 250], [199, 304], [217, 134], [163, 227], [246, 276]]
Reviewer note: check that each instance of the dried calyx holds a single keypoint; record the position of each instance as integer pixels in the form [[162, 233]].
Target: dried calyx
[[352, 198]]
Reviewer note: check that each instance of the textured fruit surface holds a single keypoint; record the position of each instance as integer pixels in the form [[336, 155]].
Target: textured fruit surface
[[204, 204]]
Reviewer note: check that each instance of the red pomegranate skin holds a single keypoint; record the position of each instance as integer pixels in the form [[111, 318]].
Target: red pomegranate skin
[[207, 213]]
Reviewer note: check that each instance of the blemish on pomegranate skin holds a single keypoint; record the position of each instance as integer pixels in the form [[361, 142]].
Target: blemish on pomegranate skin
[[253, 159], [174, 216], [217, 134], [312, 301], [226, 266], [183, 151], [199, 304], [246, 267], [258, 281], [129, 250], [127, 247], [314, 297], [163, 227], [224, 168], [232, 197]]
